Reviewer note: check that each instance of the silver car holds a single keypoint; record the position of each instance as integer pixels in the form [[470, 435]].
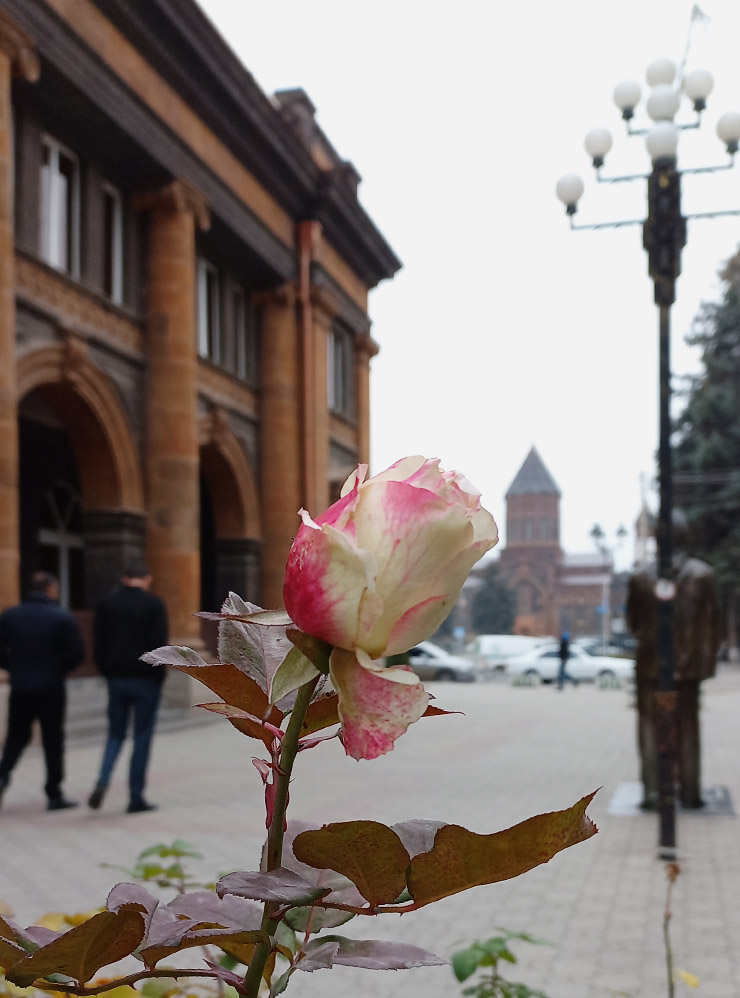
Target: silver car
[[429, 661]]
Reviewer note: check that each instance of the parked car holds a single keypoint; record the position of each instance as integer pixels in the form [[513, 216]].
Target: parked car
[[543, 664], [492, 652], [429, 661]]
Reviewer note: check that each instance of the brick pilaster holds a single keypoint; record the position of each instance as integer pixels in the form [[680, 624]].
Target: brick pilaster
[[365, 349], [17, 58], [280, 441], [172, 460]]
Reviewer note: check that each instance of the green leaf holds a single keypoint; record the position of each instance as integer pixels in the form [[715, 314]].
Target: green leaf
[[293, 672], [370, 854], [281, 983], [465, 962], [315, 650], [318, 918], [80, 953], [179, 848], [496, 946], [461, 859], [159, 987]]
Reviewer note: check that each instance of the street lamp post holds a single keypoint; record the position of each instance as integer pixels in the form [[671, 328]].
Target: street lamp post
[[663, 237]]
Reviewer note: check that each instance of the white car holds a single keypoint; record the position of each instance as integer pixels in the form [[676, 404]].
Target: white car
[[493, 652], [543, 664], [429, 661]]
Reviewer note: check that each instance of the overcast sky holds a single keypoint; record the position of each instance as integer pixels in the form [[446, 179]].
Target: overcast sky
[[504, 329]]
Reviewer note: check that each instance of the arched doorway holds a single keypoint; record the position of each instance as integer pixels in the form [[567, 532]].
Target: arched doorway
[[51, 525], [229, 515], [80, 493]]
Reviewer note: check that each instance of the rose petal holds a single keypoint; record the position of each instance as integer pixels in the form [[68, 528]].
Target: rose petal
[[329, 585], [375, 707]]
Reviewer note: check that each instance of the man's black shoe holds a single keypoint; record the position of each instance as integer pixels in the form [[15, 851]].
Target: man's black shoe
[[136, 806], [4, 781], [60, 803], [96, 797]]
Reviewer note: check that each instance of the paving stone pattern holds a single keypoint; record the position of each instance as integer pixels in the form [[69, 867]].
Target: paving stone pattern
[[516, 751]]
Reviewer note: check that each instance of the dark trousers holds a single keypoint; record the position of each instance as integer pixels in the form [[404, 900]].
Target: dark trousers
[[48, 708], [137, 697], [688, 752]]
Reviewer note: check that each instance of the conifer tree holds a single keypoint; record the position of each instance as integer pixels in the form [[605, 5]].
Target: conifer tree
[[494, 604], [707, 454]]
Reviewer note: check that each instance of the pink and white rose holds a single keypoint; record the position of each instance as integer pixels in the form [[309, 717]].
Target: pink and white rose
[[375, 574]]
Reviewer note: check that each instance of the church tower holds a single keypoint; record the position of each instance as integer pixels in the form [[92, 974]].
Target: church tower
[[532, 557]]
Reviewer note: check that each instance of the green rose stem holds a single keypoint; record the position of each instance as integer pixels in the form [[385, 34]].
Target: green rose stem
[[274, 852]]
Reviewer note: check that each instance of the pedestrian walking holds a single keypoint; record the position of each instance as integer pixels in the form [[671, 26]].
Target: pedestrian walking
[[564, 653], [128, 623], [40, 643]]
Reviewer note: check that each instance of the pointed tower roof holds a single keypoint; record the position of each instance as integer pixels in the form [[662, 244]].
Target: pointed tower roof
[[533, 478]]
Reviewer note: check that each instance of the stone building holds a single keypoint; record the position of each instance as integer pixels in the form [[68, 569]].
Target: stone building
[[555, 591], [184, 338]]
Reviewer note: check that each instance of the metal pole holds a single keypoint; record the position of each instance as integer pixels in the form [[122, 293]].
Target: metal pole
[[665, 697]]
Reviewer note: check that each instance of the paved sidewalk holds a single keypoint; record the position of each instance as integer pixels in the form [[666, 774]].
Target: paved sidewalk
[[517, 751]]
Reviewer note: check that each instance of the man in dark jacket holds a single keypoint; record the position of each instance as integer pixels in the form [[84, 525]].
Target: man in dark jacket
[[39, 644], [128, 623]]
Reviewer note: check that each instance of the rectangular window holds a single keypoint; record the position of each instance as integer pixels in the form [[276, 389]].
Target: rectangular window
[[112, 243], [60, 207], [209, 318], [239, 318], [340, 373], [245, 318]]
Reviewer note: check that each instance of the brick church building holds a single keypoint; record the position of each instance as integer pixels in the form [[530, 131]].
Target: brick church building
[[185, 343], [555, 591]]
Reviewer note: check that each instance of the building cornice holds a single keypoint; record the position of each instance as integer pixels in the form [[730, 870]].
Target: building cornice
[[19, 48], [182, 44], [57, 43]]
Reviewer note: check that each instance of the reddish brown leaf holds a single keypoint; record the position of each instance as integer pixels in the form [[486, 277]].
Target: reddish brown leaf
[[80, 953], [461, 859], [280, 885], [202, 919], [248, 724], [234, 687], [324, 952], [433, 711], [322, 713], [369, 853], [10, 953]]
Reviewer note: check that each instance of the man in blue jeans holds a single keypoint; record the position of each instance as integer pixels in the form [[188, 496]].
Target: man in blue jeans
[[128, 623]]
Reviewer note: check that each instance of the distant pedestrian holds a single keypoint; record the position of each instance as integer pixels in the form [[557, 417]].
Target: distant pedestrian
[[39, 644], [128, 623], [564, 653]]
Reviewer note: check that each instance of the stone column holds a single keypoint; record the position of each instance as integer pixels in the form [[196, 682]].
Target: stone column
[[365, 349], [17, 58], [280, 443], [172, 464], [113, 539], [323, 310]]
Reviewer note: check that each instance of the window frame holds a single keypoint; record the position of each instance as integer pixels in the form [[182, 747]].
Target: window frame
[[209, 312], [51, 205], [115, 245], [340, 385]]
